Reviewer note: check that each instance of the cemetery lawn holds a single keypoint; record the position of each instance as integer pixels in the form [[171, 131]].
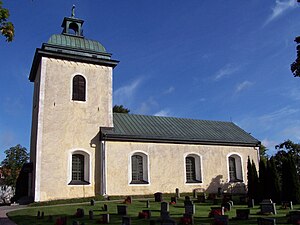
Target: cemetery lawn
[[28, 216]]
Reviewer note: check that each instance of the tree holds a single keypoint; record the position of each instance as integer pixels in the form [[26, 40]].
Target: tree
[[251, 188], [262, 180], [120, 109], [272, 181], [7, 29], [255, 181], [11, 166], [263, 152], [290, 181]]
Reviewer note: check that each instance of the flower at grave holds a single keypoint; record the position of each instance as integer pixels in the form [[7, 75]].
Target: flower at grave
[[185, 220], [172, 203], [59, 221], [215, 212], [143, 215]]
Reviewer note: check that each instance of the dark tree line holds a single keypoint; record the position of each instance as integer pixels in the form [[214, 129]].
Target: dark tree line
[[278, 176], [295, 66]]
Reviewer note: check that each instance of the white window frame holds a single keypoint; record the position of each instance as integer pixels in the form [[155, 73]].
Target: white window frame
[[238, 166], [87, 166], [71, 88], [198, 168], [146, 168]]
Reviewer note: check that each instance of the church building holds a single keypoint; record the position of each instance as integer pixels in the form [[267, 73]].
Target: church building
[[80, 148]]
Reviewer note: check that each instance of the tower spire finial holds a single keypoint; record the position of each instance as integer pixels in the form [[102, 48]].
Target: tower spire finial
[[73, 11]]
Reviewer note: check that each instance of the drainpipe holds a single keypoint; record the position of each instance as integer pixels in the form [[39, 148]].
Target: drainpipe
[[103, 165]]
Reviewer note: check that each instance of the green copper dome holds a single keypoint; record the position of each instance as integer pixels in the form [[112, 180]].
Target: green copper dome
[[76, 42]]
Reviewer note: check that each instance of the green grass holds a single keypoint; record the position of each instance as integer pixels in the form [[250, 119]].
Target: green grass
[[27, 216]]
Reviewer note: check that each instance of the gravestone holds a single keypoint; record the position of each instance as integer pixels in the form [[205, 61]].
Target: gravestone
[[231, 203], [201, 197], [227, 206], [158, 197], [91, 214], [147, 204], [177, 193], [38, 215], [126, 220], [148, 212], [42, 215], [266, 221], [266, 206], [287, 204], [164, 206], [242, 214], [189, 209], [174, 199], [195, 193], [164, 210], [221, 219], [105, 207], [128, 200], [251, 203], [105, 218], [80, 213], [122, 209], [92, 202]]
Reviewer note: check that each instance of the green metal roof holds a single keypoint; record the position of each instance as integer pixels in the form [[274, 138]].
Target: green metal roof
[[170, 129], [76, 43]]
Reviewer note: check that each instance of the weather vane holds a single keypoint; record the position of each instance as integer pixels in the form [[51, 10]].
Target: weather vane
[[73, 11]]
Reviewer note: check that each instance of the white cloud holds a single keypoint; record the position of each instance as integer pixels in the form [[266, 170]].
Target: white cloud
[[124, 95], [227, 70], [280, 8], [169, 90], [7, 138], [164, 112], [278, 115], [147, 106], [243, 85]]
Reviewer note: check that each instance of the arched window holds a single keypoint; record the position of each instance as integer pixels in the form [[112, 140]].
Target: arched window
[[235, 168], [79, 88], [139, 168], [77, 167], [80, 174], [193, 169]]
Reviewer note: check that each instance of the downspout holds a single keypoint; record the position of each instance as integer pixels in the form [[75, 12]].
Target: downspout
[[103, 165]]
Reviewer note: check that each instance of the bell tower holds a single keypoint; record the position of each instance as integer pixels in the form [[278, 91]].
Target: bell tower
[[72, 99]]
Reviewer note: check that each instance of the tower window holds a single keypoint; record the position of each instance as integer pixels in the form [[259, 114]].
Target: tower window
[[79, 88]]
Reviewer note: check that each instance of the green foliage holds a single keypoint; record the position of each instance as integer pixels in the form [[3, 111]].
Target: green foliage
[[120, 109], [263, 191], [273, 182], [12, 164], [255, 182], [290, 181], [263, 152], [6, 28]]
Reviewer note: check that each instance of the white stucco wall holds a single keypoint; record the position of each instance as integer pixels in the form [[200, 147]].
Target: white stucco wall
[[167, 170], [64, 125]]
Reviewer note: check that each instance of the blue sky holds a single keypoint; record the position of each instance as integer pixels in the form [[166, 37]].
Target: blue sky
[[194, 59]]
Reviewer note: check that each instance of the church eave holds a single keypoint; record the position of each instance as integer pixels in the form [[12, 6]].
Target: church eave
[[170, 140], [39, 53]]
